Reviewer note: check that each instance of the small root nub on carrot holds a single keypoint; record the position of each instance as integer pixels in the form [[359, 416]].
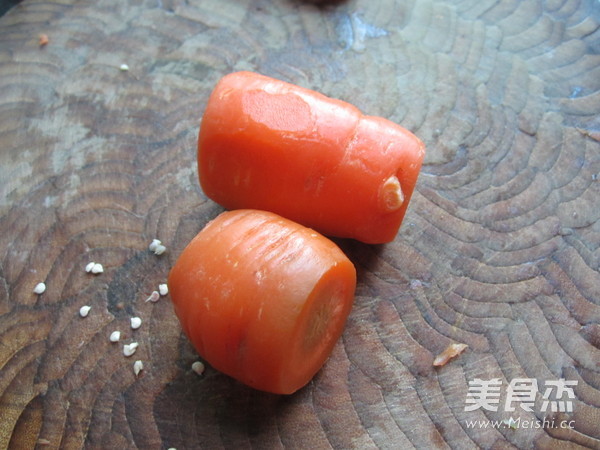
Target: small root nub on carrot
[[391, 195]]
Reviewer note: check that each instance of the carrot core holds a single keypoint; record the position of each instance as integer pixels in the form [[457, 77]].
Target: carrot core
[[325, 308]]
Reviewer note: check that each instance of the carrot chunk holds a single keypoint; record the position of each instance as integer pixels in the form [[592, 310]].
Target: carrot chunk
[[262, 298], [270, 145]]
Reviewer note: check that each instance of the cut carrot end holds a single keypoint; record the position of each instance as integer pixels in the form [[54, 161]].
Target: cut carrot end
[[326, 309], [391, 195], [319, 327]]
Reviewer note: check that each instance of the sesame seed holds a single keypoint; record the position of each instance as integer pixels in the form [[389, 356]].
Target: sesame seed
[[124, 67], [115, 336], [155, 243], [138, 366], [163, 289], [136, 322], [198, 367], [84, 310], [153, 297], [129, 349], [95, 268], [39, 288], [157, 247]]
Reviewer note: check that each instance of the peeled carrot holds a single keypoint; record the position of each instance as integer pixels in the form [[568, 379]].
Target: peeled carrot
[[262, 298], [271, 145]]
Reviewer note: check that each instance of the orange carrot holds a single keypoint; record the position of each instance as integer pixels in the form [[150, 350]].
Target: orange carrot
[[271, 145], [262, 299]]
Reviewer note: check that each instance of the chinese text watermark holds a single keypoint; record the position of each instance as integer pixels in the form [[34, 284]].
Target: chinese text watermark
[[521, 393], [485, 394]]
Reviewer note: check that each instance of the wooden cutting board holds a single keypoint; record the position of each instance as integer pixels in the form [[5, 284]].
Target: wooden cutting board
[[500, 249]]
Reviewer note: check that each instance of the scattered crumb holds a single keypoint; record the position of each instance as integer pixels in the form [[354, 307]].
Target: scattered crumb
[[590, 133], [153, 297], [84, 310], [42, 441], [94, 268], [157, 247], [39, 288], [163, 289], [198, 367], [129, 349], [115, 336], [450, 352], [124, 67], [416, 284], [136, 322], [43, 39], [138, 366], [565, 231]]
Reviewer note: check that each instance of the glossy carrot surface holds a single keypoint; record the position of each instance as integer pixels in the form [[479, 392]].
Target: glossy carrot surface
[[271, 145], [262, 299]]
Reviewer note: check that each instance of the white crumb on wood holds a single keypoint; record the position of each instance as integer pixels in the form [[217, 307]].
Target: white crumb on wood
[[198, 367], [129, 349], [153, 297], [138, 366], [39, 288], [163, 289], [93, 267], [115, 336], [155, 243], [157, 247], [136, 322]]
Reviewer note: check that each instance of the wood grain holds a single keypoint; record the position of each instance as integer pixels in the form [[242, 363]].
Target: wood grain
[[500, 249]]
